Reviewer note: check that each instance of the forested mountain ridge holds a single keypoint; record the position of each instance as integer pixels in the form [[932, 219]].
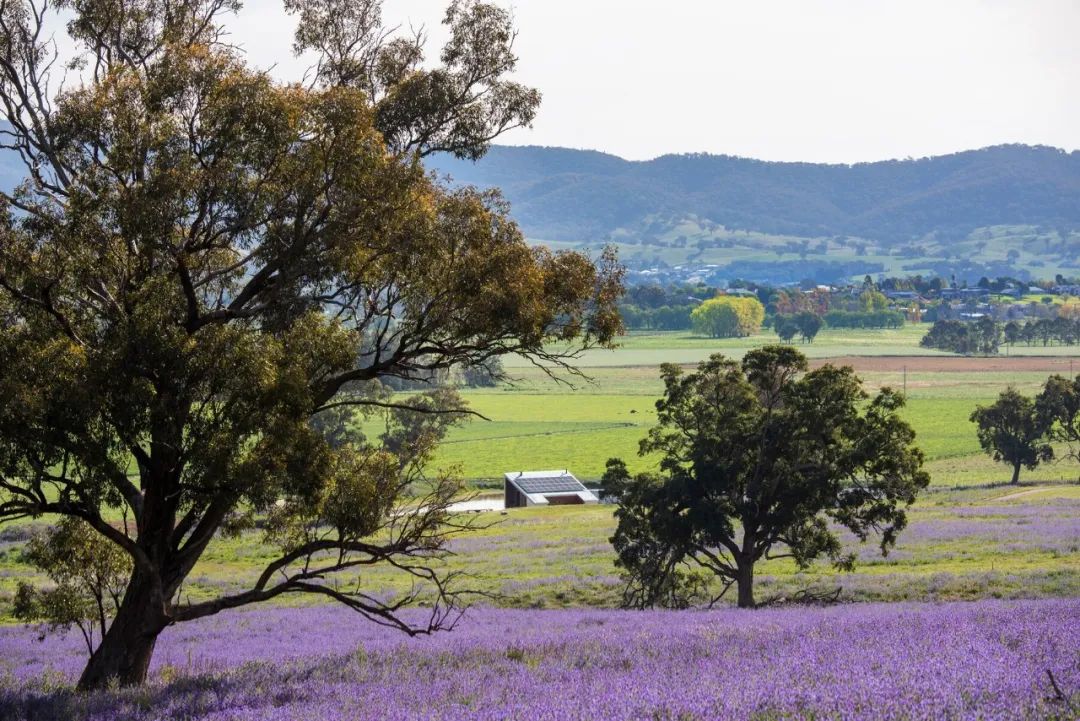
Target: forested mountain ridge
[[578, 195], [1007, 210]]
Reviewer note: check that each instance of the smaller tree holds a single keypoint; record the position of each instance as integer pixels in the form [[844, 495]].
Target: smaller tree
[[89, 573], [786, 327], [756, 459], [1058, 409], [809, 325], [1013, 332], [1011, 431]]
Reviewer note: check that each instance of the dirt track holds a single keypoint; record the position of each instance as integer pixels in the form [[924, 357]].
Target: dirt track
[[951, 364]]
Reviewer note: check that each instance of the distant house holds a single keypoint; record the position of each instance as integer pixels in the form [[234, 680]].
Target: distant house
[[544, 488]]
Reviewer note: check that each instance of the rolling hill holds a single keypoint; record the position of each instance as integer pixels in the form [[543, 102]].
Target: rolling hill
[[1003, 210], [562, 194]]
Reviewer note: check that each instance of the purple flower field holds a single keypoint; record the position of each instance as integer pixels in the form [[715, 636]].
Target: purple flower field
[[984, 660]]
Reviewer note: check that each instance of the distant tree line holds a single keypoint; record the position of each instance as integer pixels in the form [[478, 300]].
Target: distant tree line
[[980, 337], [667, 317], [985, 336], [861, 319], [1044, 331], [656, 307]]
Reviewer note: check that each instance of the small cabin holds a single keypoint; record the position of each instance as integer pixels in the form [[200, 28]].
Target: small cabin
[[544, 488]]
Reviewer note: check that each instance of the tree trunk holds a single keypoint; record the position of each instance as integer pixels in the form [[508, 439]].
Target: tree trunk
[[1016, 473], [745, 582], [125, 651]]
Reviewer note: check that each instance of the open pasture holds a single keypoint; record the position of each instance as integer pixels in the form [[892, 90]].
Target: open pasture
[[910, 661], [655, 347], [961, 544], [538, 423]]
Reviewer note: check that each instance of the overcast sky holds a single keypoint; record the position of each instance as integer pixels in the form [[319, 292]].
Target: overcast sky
[[814, 80]]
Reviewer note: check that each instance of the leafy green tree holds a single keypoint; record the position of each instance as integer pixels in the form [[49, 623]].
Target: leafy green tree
[[715, 318], [809, 325], [988, 335], [1012, 332], [1058, 409], [728, 316], [786, 327], [872, 300], [756, 460], [203, 261], [89, 574], [1011, 431]]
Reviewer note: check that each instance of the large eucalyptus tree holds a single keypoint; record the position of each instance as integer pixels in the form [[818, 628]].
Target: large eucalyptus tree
[[204, 264]]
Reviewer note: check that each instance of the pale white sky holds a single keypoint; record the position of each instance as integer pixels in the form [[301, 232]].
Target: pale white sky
[[813, 80]]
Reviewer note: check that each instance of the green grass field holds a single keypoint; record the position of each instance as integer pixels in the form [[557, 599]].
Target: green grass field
[[970, 536], [640, 348], [538, 423]]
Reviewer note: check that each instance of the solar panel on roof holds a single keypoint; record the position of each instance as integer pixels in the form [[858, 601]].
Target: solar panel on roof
[[550, 484]]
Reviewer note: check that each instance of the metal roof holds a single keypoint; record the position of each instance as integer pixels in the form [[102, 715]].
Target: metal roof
[[545, 482], [563, 484]]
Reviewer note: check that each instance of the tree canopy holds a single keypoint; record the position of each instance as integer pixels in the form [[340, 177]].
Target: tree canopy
[[204, 267], [728, 316], [1011, 431], [757, 460], [1058, 410]]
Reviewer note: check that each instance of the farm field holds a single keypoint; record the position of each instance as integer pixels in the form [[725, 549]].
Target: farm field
[[971, 538], [980, 541], [640, 348], [913, 661], [539, 423]]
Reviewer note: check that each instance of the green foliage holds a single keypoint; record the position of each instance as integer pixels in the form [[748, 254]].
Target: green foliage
[[88, 573], [728, 316], [1058, 410], [203, 261], [981, 337], [869, 319], [757, 455], [804, 323], [786, 327], [1012, 432]]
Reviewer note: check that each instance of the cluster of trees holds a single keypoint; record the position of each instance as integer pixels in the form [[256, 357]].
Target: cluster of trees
[[861, 319], [656, 307], [805, 324], [1045, 331], [980, 337], [666, 317], [1020, 431], [759, 459], [728, 316], [985, 336]]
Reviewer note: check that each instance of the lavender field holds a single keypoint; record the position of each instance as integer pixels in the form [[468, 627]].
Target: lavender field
[[983, 660]]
